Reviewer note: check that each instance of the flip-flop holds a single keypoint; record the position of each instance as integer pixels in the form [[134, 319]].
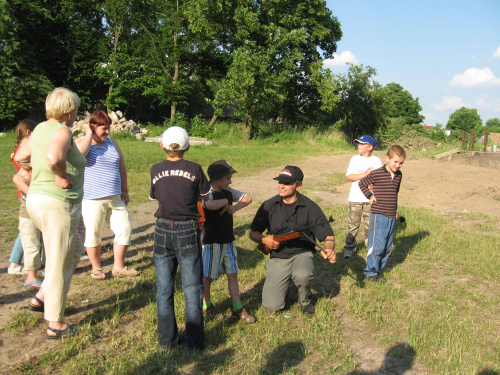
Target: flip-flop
[[35, 307], [70, 330], [34, 284]]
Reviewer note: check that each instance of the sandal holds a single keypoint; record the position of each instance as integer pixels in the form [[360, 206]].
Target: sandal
[[70, 330], [34, 284], [125, 272], [98, 274], [37, 308]]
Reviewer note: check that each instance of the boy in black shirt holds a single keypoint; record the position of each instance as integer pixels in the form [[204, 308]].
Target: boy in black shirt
[[219, 251], [176, 184]]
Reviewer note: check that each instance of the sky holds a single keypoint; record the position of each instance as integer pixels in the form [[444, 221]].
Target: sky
[[445, 53]]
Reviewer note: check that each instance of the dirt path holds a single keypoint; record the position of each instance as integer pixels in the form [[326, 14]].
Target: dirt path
[[447, 188]]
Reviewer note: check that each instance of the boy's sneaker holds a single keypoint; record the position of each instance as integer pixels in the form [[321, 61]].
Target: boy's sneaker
[[309, 309], [242, 314], [211, 311], [180, 340], [16, 270], [376, 279]]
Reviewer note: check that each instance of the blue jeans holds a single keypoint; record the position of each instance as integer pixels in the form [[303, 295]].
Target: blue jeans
[[177, 243], [380, 239], [16, 255]]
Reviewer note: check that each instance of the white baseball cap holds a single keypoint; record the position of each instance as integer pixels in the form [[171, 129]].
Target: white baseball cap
[[178, 135]]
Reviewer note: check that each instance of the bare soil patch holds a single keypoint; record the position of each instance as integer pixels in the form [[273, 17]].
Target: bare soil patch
[[445, 187]]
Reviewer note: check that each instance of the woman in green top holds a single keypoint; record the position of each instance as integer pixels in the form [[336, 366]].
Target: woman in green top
[[54, 204]]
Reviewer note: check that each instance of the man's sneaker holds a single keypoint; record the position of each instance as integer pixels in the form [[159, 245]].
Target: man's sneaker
[[376, 279], [308, 309], [211, 311], [347, 253], [242, 314]]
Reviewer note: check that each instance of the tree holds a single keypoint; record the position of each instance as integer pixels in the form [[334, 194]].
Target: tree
[[46, 44], [464, 119], [493, 122], [272, 47], [360, 105], [400, 103]]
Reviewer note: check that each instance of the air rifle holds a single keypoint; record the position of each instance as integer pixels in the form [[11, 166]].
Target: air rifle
[[283, 235]]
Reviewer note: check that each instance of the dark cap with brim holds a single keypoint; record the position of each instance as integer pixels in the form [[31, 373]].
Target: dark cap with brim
[[219, 169], [290, 173]]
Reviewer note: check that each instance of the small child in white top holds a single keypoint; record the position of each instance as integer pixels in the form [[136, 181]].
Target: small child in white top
[[359, 207]]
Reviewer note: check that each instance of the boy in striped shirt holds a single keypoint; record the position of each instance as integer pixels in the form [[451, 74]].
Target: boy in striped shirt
[[381, 187]]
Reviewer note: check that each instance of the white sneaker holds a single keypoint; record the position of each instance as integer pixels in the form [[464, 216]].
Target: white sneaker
[[84, 257], [16, 271]]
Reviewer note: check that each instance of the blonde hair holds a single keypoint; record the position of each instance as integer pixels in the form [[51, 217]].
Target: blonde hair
[[59, 102]]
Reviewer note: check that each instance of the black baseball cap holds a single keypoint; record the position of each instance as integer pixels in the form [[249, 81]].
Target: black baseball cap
[[219, 169], [290, 173]]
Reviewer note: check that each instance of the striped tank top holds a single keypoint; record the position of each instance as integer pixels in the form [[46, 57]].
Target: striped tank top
[[102, 173]]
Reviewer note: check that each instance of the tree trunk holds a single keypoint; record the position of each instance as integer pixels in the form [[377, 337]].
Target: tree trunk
[[174, 82], [247, 128], [175, 78], [212, 120]]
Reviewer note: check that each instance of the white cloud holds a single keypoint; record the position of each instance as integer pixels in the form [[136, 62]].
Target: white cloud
[[474, 77], [449, 102], [496, 55], [428, 116], [341, 60], [482, 102]]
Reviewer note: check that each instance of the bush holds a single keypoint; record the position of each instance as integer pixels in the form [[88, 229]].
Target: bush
[[200, 128]]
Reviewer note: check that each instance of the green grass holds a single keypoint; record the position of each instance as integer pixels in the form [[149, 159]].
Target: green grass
[[442, 301]]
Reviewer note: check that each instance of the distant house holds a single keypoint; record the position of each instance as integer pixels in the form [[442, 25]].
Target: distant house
[[428, 127]]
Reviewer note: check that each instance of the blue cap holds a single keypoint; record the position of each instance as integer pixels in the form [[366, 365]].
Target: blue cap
[[365, 139]]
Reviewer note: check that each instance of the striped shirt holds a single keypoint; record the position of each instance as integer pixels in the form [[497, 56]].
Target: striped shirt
[[102, 173], [385, 189]]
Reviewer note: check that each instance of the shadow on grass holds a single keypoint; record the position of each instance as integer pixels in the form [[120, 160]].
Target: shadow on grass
[[170, 361], [130, 300], [356, 264], [398, 360], [284, 358], [403, 245]]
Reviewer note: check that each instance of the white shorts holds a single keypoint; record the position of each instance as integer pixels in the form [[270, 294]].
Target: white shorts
[[111, 209]]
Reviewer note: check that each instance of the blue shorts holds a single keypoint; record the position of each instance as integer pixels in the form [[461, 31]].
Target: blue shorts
[[219, 257]]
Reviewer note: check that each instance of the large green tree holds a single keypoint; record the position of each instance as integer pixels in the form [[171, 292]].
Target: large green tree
[[46, 44], [360, 103], [398, 102], [273, 46], [464, 119]]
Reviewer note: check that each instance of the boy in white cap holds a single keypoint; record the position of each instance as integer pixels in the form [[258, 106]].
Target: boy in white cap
[[359, 207], [176, 184], [219, 250]]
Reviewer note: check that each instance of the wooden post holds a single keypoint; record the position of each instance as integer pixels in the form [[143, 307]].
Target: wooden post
[[471, 141], [464, 140], [485, 139]]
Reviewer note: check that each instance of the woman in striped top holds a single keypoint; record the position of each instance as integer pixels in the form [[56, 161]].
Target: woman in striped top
[[105, 196]]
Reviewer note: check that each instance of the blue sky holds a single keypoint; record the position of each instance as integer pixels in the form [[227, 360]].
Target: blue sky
[[445, 53]]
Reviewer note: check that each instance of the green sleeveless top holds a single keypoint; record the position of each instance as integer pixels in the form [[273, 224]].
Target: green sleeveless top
[[43, 180]]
